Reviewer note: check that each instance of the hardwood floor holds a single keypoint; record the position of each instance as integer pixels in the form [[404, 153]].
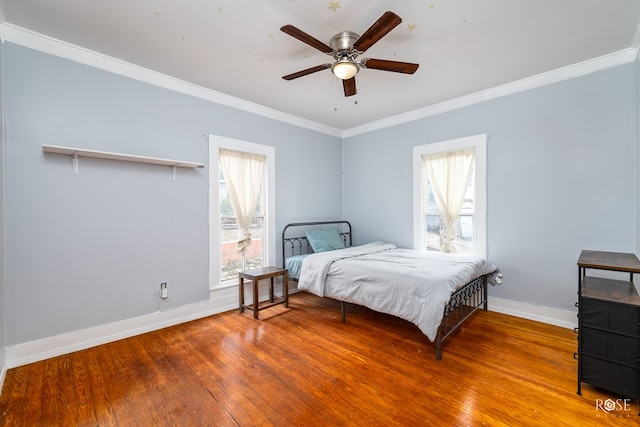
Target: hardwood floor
[[302, 367]]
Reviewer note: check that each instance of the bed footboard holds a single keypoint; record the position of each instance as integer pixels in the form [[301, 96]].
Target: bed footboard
[[462, 304]]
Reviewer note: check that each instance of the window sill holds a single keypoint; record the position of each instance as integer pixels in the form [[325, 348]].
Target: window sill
[[223, 286]]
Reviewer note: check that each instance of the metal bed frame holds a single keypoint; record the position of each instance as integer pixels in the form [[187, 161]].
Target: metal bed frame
[[462, 304]]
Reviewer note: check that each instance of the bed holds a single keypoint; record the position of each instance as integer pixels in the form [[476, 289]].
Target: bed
[[435, 291]]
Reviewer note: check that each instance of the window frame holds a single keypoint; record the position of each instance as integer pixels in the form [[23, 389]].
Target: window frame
[[479, 144], [215, 143]]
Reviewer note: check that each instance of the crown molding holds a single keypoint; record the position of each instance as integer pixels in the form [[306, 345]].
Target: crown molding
[[636, 40], [592, 65], [46, 44]]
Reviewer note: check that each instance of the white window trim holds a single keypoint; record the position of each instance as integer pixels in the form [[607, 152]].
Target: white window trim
[[477, 142], [215, 143]]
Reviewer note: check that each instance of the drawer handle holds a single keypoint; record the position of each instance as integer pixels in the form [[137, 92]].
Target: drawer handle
[[575, 356], [577, 304], [575, 330]]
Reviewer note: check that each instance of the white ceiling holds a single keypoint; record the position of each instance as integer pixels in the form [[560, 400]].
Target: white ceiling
[[236, 47]]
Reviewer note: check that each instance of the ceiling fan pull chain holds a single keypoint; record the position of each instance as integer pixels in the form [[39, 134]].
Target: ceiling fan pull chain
[[335, 94]]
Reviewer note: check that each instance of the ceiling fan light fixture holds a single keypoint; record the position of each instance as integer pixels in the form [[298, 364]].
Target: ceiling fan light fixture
[[345, 69]]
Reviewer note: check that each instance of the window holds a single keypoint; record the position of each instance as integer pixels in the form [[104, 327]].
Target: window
[[449, 188], [226, 235]]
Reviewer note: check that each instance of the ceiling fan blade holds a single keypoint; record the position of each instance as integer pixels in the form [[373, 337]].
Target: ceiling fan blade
[[306, 38], [385, 65], [387, 22], [349, 86], [307, 71]]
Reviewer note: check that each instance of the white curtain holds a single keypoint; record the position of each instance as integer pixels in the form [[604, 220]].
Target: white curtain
[[243, 174], [449, 176]]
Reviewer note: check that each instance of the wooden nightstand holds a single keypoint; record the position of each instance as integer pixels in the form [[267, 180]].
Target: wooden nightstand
[[255, 276]]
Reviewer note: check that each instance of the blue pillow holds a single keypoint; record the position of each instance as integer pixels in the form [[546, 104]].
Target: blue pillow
[[326, 239]]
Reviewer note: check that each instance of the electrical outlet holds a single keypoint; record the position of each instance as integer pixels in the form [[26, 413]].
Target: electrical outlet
[[164, 291]]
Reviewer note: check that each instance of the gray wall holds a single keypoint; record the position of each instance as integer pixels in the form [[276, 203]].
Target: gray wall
[[637, 65], [90, 249], [561, 178], [3, 322]]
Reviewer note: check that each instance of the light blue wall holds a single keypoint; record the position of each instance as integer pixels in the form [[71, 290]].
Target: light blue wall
[[2, 228], [91, 249], [561, 178], [637, 123]]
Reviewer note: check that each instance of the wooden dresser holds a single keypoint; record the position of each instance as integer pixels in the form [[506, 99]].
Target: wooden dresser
[[609, 324]]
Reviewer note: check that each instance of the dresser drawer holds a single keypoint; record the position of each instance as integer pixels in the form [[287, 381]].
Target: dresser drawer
[[613, 347], [610, 376], [615, 317]]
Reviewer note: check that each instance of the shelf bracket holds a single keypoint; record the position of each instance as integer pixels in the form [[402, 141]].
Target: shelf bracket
[[75, 160]]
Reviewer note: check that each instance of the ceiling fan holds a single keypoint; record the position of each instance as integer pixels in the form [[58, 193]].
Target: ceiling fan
[[346, 46]]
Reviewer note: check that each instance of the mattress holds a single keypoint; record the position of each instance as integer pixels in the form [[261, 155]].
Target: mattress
[[294, 265], [411, 284]]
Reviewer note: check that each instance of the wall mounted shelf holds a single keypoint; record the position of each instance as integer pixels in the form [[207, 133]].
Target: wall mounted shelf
[[75, 153]]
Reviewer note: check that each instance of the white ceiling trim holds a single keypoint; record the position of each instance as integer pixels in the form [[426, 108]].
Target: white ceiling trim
[[46, 44], [636, 40], [43, 43], [607, 61]]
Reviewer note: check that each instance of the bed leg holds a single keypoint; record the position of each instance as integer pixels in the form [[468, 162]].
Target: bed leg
[[485, 292], [438, 348], [342, 312]]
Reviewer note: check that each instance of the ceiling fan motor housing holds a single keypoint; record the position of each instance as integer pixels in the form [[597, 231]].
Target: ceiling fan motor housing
[[342, 45]]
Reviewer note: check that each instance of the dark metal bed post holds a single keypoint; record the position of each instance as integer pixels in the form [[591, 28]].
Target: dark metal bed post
[[439, 347], [343, 312], [485, 295]]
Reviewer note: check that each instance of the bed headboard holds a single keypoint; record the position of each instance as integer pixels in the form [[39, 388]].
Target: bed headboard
[[294, 239]]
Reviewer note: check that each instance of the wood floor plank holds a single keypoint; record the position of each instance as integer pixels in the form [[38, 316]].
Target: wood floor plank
[[300, 366], [210, 372], [100, 377]]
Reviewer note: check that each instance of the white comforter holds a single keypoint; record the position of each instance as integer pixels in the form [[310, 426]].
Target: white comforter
[[410, 284]]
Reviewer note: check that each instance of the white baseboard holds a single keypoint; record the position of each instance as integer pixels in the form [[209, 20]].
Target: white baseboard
[[34, 351], [220, 300], [550, 315], [3, 374]]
